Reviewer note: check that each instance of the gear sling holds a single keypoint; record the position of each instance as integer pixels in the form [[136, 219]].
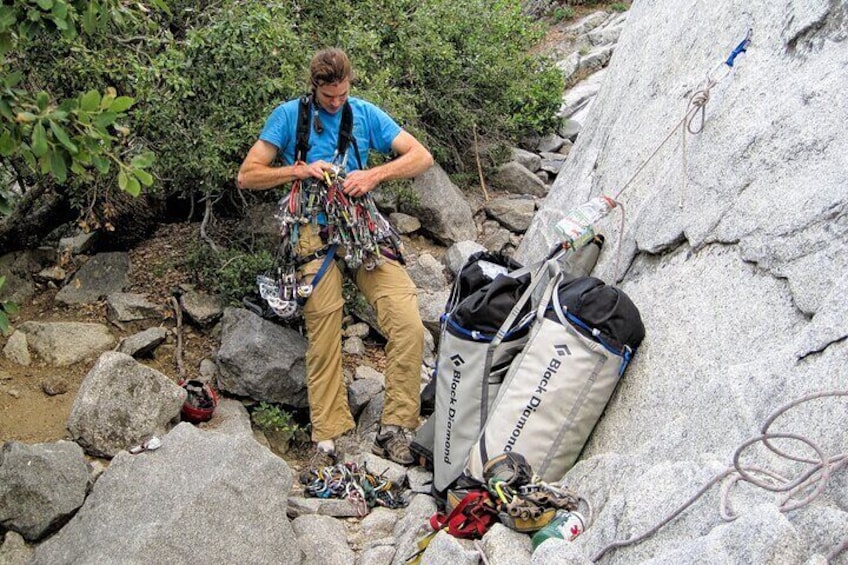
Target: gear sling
[[355, 223]]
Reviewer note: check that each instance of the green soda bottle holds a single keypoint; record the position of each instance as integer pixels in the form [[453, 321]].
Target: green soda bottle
[[565, 525]]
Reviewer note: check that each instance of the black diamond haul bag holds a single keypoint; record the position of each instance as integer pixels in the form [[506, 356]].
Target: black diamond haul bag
[[584, 335]]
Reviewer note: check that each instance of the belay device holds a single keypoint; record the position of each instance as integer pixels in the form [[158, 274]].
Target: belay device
[[348, 224]]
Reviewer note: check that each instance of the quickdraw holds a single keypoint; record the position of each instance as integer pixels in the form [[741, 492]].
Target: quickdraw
[[348, 223], [348, 481]]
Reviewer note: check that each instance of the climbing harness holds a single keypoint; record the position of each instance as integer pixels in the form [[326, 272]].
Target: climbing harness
[[798, 492], [363, 489], [351, 225]]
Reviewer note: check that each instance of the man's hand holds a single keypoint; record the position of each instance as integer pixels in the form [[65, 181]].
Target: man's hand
[[358, 183], [315, 169]]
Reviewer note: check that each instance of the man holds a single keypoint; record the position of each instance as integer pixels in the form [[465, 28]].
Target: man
[[387, 286]]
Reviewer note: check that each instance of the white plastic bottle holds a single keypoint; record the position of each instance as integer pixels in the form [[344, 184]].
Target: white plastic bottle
[[577, 227]]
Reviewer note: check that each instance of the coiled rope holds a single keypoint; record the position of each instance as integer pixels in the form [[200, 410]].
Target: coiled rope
[[799, 492]]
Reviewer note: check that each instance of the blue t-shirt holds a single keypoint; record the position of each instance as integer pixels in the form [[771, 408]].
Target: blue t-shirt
[[372, 128]]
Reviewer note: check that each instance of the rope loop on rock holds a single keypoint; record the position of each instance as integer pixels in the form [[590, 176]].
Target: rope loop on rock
[[800, 491]]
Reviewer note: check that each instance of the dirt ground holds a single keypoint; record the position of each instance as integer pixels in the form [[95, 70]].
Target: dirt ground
[[27, 412], [31, 415]]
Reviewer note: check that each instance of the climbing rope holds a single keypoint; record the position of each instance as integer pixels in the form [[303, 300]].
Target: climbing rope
[[348, 481], [696, 107], [798, 492], [691, 123]]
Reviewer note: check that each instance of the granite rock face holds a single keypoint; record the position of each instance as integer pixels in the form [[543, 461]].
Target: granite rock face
[[740, 273]]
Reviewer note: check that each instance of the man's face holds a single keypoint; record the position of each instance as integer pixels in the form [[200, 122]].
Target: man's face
[[331, 97]]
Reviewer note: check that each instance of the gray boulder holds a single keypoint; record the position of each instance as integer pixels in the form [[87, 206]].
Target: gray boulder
[[458, 255], [516, 179], [354, 346], [120, 403], [41, 486], [366, 372], [128, 307], [428, 273], [559, 552], [323, 540], [230, 417], [404, 223], [549, 143], [431, 306], [379, 523], [597, 58], [579, 95], [515, 214], [16, 349], [739, 275], [526, 159], [102, 275], [201, 308], [412, 526], [261, 359], [609, 33], [360, 392], [420, 480], [570, 129], [378, 555], [441, 207], [201, 497], [369, 421], [504, 546], [336, 507], [79, 243], [493, 236], [446, 549], [143, 343], [587, 23], [66, 343], [14, 550], [553, 162]]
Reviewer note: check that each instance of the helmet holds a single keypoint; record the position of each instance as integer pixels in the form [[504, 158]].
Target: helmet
[[200, 403]]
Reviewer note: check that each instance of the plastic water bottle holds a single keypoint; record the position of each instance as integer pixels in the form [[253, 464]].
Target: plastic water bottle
[[577, 228], [565, 525]]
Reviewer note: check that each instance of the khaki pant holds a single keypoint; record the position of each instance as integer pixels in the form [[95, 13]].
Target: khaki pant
[[391, 292]]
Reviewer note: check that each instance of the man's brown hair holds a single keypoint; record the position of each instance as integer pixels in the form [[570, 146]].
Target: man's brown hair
[[329, 66]]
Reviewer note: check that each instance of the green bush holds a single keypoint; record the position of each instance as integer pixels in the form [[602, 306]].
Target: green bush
[[269, 417], [563, 13], [204, 77], [230, 273]]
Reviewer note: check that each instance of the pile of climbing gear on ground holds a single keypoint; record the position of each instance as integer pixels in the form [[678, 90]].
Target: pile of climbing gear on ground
[[348, 224], [364, 489], [525, 503]]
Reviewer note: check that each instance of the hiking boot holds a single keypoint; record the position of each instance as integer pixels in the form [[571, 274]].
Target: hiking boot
[[393, 444], [317, 461]]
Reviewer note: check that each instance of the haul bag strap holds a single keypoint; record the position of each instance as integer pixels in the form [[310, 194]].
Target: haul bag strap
[[301, 146], [346, 136]]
